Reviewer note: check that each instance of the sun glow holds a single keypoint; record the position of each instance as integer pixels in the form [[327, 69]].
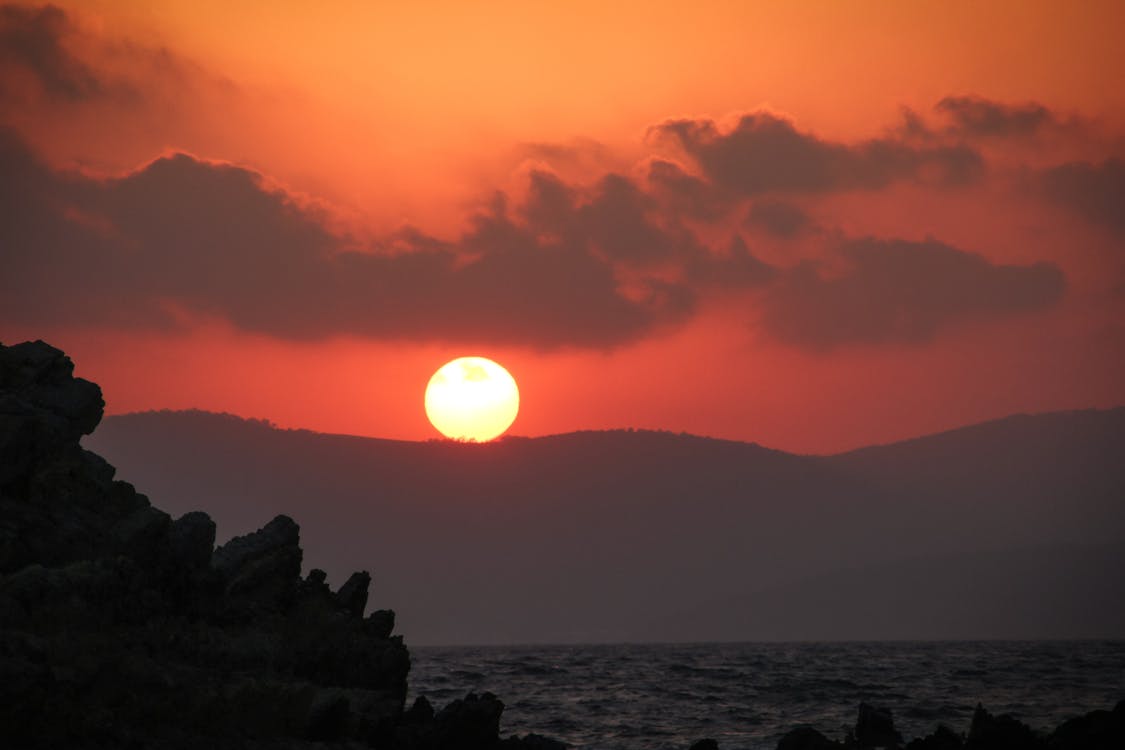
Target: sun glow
[[472, 398]]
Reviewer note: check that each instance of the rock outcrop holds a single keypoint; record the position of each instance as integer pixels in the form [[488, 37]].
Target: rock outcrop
[[123, 627], [875, 727], [1097, 730]]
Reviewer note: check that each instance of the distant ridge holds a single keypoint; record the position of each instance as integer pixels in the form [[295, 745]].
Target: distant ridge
[[615, 535], [1110, 418], [1057, 422]]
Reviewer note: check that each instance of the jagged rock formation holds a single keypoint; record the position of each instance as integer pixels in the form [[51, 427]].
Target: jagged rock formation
[[121, 627], [1097, 730]]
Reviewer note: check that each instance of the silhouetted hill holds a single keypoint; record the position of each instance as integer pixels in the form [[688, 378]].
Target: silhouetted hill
[[626, 535]]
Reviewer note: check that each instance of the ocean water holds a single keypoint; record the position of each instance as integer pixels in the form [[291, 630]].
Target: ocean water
[[747, 695]]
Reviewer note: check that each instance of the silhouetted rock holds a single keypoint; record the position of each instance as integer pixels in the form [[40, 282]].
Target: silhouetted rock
[[381, 622], [875, 727], [1097, 730], [942, 738], [806, 738], [260, 571], [705, 744], [532, 742], [42, 378], [191, 541], [352, 596], [420, 713], [1004, 732], [470, 723], [120, 627], [58, 502]]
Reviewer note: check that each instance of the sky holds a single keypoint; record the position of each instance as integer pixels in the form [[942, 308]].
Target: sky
[[814, 226]]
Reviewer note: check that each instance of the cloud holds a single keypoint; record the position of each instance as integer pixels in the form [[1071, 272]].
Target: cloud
[[90, 96], [618, 221], [1094, 191], [779, 218], [977, 116], [186, 235], [737, 269], [615, 217], [32, 43], [764, 153], [899, 292], [592, 266], [684, 193]]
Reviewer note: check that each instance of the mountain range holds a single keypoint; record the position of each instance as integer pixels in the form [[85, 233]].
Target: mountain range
[[1013, 528]]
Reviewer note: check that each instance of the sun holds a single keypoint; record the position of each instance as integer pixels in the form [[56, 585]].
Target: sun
[[472, 398]]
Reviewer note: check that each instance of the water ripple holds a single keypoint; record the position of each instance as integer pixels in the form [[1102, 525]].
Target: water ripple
[[657, 697]]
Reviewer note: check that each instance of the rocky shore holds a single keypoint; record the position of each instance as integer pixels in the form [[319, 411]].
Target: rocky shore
[[874, 728], [121, 627]]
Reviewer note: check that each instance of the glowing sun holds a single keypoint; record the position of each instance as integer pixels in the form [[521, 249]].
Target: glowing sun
[[472, 398]]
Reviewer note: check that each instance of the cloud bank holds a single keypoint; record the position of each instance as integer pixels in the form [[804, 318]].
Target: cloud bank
[[590, 267], [594, 264]]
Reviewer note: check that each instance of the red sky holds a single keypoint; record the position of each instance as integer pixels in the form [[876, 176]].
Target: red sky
[[813, 226]]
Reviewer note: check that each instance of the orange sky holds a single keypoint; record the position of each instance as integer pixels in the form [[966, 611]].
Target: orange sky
[[963, 270]]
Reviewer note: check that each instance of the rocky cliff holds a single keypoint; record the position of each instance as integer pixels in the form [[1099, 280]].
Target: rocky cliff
[[123, 627]]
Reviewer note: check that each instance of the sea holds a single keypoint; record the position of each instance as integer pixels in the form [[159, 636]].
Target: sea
[[747, 695]]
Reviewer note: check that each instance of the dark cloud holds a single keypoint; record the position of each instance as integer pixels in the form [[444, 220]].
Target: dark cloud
[[976, 116], [618, 221], [592, 266], [779, 218], [765, 153], [899, 292], [737, 269], [684, 193], [187, 235], [54, 70], [615, 217], [912, 126], [550, 203], [32, 42], [1095, 191]]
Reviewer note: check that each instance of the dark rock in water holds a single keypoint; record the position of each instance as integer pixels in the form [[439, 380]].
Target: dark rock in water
[[875, 727], [1097, 730], [532, 742], [415, 728], [705, 744], [989, 732], [120, 627], [471, 723], [420, 713], [942, 738], [806, 738]]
